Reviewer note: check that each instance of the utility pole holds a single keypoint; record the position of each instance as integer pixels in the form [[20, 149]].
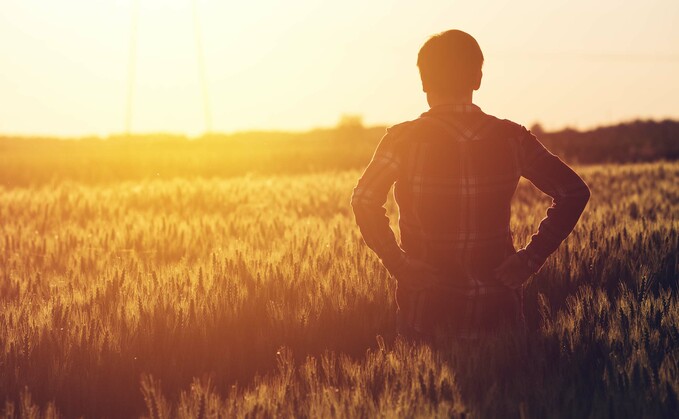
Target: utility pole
[[201, 68], [131, 69]]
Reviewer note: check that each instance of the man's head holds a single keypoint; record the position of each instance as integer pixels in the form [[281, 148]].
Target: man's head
[[450, 64]]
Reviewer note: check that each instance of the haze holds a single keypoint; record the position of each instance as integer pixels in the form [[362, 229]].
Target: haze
[[298, 64]]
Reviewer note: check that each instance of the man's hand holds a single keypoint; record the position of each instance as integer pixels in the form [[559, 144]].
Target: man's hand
[[514, 271], [417, 275]]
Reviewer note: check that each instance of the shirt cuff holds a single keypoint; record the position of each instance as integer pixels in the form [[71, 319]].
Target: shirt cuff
[[395, 261], [532, 260]]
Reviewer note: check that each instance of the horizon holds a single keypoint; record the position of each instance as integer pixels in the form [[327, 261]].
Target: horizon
[[78, 67], [301, 131], [336, 126]]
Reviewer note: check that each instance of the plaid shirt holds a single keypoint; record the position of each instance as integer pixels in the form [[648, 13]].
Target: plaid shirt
[[455, 170]]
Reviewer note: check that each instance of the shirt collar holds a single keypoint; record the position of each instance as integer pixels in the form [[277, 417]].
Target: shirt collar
[[454, 107]]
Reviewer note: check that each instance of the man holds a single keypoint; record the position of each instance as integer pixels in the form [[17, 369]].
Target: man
[[455, 171]]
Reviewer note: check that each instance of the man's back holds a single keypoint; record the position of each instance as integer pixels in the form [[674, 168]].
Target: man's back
[[455, 171], [459, 170]]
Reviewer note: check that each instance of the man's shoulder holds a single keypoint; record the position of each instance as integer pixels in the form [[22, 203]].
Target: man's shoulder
[[402, 128], [494, 127], [397, 135], [507, 127]]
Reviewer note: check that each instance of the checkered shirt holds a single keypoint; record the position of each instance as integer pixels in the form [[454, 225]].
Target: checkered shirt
[[455, 170]]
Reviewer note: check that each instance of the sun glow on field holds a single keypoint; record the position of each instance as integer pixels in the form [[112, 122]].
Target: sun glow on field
[[253, 295]]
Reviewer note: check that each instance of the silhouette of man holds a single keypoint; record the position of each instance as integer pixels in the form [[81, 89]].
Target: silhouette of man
[[455, 170]]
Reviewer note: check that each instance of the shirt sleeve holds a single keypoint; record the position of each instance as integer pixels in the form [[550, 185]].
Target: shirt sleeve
[[368, 202], [569, 195]]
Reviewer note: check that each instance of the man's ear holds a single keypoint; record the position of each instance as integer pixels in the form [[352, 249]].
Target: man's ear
[[477, 80]]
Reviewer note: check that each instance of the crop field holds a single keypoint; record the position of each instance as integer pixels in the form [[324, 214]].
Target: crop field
[[254, 295]]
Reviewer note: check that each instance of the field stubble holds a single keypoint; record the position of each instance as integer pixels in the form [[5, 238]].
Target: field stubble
[[255, 295]]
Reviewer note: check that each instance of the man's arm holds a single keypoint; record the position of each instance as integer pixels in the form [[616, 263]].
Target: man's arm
[[369, 197], [569, 197]]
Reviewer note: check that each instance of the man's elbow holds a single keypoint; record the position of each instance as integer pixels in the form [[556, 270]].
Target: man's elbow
[[363, 207], [361, 196], [586, 193], [582, 195], [354, 199], [574, 197], [357, 203]]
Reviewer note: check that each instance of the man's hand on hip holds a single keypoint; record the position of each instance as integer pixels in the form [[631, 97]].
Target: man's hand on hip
[[514, 271], [417, 275]]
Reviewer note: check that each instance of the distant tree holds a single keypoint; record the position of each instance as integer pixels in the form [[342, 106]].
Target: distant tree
[[350, 122], [537, 129], [350, 127]]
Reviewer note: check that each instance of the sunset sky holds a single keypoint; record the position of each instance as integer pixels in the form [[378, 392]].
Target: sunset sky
[[298, 64]]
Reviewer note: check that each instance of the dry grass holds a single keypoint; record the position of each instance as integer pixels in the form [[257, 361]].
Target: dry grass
[[255, 296]]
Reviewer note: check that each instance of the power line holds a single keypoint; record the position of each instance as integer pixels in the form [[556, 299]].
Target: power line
[[132, 66], [131, 69], [201, 67], [591, 56]]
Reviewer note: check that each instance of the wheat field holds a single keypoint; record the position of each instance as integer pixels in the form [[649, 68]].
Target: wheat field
[[255, 296]]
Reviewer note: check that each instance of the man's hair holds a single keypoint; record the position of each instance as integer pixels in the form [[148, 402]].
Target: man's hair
[[449, 62]]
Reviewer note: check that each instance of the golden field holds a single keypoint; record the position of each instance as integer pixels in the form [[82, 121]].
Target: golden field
[[253, 295]]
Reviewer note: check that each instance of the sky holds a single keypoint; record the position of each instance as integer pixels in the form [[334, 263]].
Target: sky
[[66, 66]]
